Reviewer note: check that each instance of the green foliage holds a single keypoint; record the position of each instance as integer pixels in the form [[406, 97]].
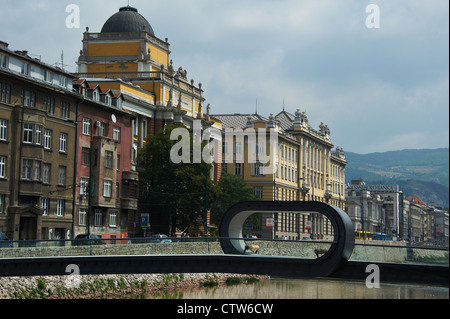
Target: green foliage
[[232, 190], [177, 189]]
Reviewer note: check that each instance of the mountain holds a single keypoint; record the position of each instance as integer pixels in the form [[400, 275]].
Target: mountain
[[424, 173]]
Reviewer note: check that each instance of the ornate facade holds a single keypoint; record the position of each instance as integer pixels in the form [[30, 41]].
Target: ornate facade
[[305, 169]]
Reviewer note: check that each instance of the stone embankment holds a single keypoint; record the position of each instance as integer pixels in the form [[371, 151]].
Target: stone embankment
[[108, 286]]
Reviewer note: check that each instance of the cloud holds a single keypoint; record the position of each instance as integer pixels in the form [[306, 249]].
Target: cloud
[[377, 89]]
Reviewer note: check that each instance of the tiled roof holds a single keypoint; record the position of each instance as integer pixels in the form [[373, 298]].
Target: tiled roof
[[237, 120], [285, 119], [416, 200]]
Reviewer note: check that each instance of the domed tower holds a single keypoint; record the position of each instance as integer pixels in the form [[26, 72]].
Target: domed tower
[[126, 43], [127, 20], [127, 48]]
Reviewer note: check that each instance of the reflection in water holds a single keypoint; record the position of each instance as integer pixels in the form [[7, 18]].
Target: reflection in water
[[310, 289]]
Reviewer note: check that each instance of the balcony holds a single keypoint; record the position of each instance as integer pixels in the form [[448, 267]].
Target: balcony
[[175, 81], [156, 76], [30, 188], [130, 176], [129, 203]]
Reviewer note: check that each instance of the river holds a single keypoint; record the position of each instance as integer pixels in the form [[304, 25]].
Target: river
[[278, 288]]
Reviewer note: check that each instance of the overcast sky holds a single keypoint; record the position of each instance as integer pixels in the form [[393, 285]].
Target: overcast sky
[[378, 89]]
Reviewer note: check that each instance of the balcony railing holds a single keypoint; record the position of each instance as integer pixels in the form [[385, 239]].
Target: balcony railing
[[157, 76], [146, 76]]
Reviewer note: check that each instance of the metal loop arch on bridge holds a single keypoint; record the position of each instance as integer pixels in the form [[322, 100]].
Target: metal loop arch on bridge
[[338, 254]]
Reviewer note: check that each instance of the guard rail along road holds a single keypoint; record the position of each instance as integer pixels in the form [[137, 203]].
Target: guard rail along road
[[340, 257]]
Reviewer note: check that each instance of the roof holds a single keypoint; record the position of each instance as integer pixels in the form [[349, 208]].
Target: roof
[[285, 119], [237, 120], [416, 200], [127, 20]]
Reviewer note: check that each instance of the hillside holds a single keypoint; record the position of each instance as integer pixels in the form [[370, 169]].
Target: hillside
[[424, 173]]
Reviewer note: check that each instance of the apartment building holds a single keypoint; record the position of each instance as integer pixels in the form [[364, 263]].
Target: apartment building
[[37, 153], [106, 196]]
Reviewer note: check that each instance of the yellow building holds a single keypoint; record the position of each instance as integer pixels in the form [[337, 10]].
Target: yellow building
[[127, 49], [127, 58], [305, 168]]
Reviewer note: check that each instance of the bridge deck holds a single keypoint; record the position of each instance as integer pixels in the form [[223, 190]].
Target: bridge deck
[[242, 264]]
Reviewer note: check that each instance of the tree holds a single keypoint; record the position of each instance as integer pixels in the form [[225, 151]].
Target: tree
[[173, 192], [232, 189]]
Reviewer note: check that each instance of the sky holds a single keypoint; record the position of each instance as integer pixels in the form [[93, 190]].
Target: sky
[[378, 76]]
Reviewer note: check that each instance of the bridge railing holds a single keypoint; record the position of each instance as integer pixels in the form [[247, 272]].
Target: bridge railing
[[211, 245]]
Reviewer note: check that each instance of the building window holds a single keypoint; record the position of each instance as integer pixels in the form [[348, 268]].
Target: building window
[[3, 130], [117, 133], [113, 218], [47, 139], [134, 127], [107, 188], [108, 159], [87, 126], [258, 192], [46, 171], [237, 168], [48, 76], [5, 93], [2, 167], [84, 186], [37, 171], [63, 81], [45, 206], [101, 129], [258, 169], [28, 133], [134, 153], [27, 166], [144, 128], [63, 142], [82, 217], [3, 61], [118, 162], [25, 70], [85, 155], [224, 169], [28, 98], [65, 109], [50, 105], [60, 205], [62, 175], [98, 217], [38, 139], [2, 203], [119, 103]]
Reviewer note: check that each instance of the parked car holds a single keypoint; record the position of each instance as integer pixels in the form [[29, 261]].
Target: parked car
[[4, 241], [160, 238], [85, 239]]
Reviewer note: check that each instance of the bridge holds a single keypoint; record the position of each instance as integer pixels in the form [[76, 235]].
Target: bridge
[[231, 253]]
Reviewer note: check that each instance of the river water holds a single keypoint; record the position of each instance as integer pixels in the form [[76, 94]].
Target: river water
[[277, 288]]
